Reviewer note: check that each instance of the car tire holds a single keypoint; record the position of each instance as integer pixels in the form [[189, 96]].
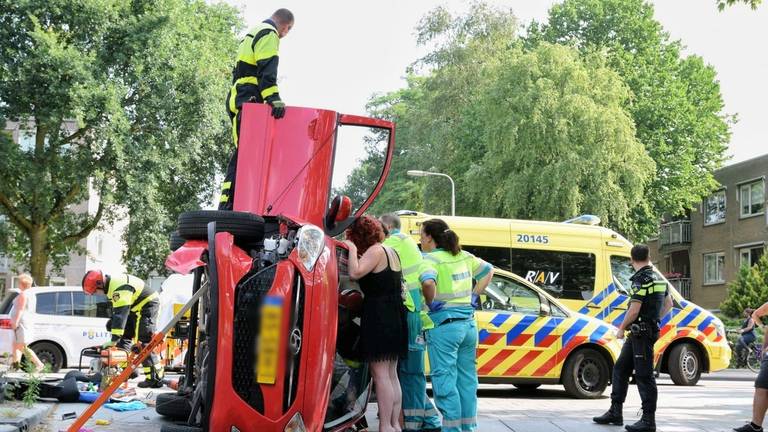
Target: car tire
[[179, 428], [49, 353], [173, 406], [175, 241], [527, 386], [586, 373], [246, 227], [684, 364]]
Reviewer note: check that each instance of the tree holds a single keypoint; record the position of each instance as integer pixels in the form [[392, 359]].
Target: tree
[[143, 83], [539, 133], [722, 4], [676, 102], [749, 290]]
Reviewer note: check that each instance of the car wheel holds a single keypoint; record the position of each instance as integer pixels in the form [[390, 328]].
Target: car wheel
[[175, 241], [246, 227], [173, 406], [585, 375], [527, 386], [684, 364], [49, 354]]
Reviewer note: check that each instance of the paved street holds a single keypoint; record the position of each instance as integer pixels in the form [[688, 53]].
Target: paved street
[[720, 402]]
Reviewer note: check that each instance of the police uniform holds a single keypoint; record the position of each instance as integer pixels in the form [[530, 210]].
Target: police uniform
[[254, 78], [452, 343], [418, 412], [134, 313], [637, 352]]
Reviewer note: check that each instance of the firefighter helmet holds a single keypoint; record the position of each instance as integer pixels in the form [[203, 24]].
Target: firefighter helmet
[[93, 280]]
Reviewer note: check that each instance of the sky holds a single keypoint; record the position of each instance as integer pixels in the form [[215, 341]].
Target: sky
[[340, 52]]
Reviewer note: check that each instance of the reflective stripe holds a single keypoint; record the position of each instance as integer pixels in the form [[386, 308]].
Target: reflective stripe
[[141, 304], [118, 332], [411, 269], [269, 91], [430, 257], [413, 412], [430, 412], [451, 423], [247, 80], [469, 420], [224, 198], [455, 305], [412, 425], [226, 185], [453, 295], [460, 276]]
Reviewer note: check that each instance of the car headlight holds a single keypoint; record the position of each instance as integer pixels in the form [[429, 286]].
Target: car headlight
[[296, 424], [719, 326], [310, 246]]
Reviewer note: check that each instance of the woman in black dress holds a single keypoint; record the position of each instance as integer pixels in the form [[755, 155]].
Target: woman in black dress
[[383, 327]]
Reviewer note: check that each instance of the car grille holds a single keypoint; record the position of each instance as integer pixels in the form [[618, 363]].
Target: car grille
[[248, 298], [294, 361]]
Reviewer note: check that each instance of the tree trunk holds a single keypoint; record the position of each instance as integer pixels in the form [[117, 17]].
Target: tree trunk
[[38, 260]]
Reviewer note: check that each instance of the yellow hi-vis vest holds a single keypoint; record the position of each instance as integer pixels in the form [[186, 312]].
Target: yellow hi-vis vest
[[413, 267], [454, 277], [136, 299], [260, 44]]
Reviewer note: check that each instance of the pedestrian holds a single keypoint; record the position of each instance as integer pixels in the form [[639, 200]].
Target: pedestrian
[[649, 302], [134, 316], [419, 414], [452, 343], [760, 398], [254, 79], [746, 339], [22, 326], [383, 326]]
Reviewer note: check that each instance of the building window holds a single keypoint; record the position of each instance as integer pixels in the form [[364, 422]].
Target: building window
[[749, 256], [714, 208], [27, 140], [752, 198], [714, 264]]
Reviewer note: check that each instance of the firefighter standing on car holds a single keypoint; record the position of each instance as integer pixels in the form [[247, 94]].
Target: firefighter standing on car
[[649, 302], [134, 313], [452, 343], [418, 412], [254, 79]]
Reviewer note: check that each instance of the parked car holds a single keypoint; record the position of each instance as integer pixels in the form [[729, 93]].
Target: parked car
[[65, 321]]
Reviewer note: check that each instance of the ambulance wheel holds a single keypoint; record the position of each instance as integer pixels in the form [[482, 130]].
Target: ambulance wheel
[[246, 227], [173, 406], [527, 386], [585, 375], [49, 354], [179, 428], [684, 364]]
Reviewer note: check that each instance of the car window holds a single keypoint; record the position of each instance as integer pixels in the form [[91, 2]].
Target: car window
[[508, 295], [64, 303], [94, 306], [54, 303], [7, 304]]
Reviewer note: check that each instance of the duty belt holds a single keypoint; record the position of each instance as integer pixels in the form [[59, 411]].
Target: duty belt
[[450, 320]]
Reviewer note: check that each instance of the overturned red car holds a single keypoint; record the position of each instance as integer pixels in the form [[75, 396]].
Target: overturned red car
[[273, 342]]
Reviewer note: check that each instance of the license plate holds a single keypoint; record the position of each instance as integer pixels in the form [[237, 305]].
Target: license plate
[[269, 340]]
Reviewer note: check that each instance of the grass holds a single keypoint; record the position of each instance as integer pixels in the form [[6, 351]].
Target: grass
[[9, 412]]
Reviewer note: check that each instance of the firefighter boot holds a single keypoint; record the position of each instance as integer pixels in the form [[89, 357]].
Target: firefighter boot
[[647, 423], [612, 416], [155, 378]]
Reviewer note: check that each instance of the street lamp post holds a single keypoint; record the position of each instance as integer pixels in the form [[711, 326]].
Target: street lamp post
[[419, 173]]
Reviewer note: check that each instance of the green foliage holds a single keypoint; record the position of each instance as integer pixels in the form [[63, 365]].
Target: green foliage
[[33, 381], [749, 290], [125, 100], [536, 132], [676, 103], [722, 4]]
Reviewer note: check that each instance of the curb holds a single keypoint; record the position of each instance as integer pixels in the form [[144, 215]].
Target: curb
[[29, 418]]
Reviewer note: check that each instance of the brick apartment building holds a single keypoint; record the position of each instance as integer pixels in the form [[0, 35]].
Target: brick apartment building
[[701, 254]]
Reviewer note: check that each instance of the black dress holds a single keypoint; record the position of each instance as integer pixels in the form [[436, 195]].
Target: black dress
[[383, 326]]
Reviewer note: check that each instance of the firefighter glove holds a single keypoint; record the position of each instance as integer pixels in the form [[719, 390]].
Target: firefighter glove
[[278, 107], [108, 344]]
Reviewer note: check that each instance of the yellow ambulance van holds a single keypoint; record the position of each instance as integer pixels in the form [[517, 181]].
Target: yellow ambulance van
[[587, 268]]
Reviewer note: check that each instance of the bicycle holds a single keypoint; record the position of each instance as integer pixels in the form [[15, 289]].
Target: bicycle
[[754, 353]]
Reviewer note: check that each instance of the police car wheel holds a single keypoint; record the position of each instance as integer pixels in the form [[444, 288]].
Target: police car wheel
[[585, 375], [49, 354], [684, 364]]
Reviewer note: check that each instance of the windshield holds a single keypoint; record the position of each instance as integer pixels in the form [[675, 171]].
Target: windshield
[[621, 270]]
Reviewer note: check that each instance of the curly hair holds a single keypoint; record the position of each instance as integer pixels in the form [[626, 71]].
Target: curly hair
[[365, 232]]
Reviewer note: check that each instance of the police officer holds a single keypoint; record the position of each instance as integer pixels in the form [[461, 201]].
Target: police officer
[[452, 343], [418, 412], [649, 302], [134, 314], [254, 79]]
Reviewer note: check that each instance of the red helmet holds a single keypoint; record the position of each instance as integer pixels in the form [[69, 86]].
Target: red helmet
[[93, 280]]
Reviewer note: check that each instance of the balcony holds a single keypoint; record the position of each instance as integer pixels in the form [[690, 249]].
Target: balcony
[[683, 286], [675, 233]]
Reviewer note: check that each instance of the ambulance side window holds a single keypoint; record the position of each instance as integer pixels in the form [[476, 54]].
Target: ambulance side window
[[496, 256], [566, 275]]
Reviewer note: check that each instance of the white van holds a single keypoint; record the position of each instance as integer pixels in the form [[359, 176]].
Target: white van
[[65, 321]]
